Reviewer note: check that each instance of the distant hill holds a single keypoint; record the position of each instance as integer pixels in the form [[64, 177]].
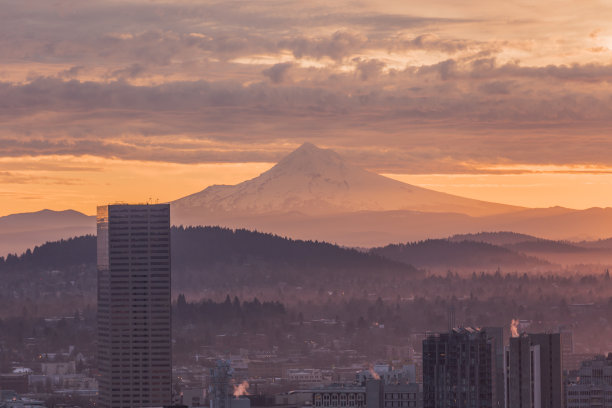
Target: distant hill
[[19, 232], [226, 257], [546, 246], [520, 242], [53, 255], [599, 244], [598, 254], [500, 238], [555, 223], [442, 253]]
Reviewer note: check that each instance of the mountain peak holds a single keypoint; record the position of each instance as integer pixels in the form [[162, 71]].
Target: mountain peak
[[307, 146], [309, 158], [310, 151]]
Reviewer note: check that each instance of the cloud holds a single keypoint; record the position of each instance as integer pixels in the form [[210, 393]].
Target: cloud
[[488, 68], [337, 46], [72, 72], [430, 41], [429, 121], [277, 72], [7, 177], [497, 87], [156, 33], [369, 68], [430, 86], [131, 72]]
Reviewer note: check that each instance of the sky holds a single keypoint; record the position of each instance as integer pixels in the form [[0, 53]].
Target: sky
[[133, 100]]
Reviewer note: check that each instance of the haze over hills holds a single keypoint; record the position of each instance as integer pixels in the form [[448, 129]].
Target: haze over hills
[[599, 244], [213, 259], [495, 238], [313, 194], [446, 254], [19, 232], [563, 253]]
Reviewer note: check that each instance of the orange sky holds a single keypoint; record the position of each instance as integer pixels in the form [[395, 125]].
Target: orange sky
[[121, 101], [81, 183]]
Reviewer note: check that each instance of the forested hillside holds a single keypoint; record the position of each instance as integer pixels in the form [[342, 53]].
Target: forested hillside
[[205, 261], [444, 253]]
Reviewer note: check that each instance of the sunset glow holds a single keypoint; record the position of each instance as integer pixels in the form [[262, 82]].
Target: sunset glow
[[501, 101], [289, 203], [81, 183]]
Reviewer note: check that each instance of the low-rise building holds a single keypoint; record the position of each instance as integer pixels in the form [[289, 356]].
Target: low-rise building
[[305, 376], [591, 385], [193, 397], [389, 375], [339, 396], [14, 382], [58, 368], [403, 395], [370, 394]]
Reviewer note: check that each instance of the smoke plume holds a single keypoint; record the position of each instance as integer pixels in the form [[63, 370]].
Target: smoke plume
[[240, 390], [514, 328], [374, 374]]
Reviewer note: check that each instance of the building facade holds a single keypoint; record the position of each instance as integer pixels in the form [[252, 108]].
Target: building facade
[[339, 396], [533, 367], [307, 377], [499, 340], [459, 369], [220, 387], [370, 394], [134, 306], [591, 385], [403, 395], [14, 382]]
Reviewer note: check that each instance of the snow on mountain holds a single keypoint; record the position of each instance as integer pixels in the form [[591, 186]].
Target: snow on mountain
[[314, 194], [314, 181]]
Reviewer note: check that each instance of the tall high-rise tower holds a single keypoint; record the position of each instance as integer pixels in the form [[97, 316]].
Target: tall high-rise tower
[[134, 306]]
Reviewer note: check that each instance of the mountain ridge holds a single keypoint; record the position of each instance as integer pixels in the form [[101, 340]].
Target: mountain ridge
[[205, 257], [313, 193], [447, 254], [21, 231]]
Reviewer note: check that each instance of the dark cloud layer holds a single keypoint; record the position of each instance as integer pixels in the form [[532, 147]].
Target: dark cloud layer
[[399, 91], [277, 72], [490, 119]]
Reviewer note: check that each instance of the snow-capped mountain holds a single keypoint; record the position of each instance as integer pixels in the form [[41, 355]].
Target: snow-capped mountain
[[314, 194], [316, 182]]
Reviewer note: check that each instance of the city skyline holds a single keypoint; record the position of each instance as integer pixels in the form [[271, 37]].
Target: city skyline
[[504, 102], [298, 204]]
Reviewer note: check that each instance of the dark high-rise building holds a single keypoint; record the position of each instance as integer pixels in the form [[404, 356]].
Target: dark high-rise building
[[459, 369], [134, 306], [534, 376]]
